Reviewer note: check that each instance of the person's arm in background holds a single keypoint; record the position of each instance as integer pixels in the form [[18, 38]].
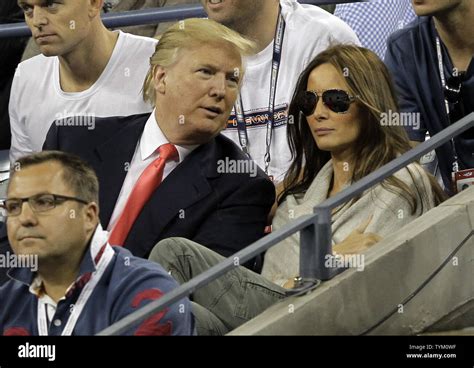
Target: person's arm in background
[[407, 100], [20, 144]]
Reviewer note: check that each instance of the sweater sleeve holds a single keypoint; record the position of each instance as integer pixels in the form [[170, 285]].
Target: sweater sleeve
[[389, 209]]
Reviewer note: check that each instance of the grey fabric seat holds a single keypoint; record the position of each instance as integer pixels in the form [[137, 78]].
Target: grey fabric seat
[[4, 173]]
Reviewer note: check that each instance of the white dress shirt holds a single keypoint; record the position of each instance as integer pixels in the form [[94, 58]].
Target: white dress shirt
[[37, 289], [145, 153]]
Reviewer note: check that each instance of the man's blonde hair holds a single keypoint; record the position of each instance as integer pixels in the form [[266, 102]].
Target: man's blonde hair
[[188, 33]]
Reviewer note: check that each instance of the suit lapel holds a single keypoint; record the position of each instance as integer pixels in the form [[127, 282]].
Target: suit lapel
[[185, 185], [115, 156]]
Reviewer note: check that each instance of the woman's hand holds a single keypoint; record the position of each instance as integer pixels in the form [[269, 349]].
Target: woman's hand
[[290, 284], [357, 241]]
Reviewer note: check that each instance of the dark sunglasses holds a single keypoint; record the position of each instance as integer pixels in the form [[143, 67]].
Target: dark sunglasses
[[336, 100], [39, 203]]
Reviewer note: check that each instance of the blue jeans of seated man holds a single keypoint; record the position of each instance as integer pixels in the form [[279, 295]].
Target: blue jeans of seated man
[[225, 303]]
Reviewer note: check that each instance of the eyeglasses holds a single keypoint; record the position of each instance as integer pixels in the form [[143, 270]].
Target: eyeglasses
[[38, 203], [336, 100]]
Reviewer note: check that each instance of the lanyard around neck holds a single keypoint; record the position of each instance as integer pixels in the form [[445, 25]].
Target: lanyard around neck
[[86, 292], [239, 110], [446, 102]]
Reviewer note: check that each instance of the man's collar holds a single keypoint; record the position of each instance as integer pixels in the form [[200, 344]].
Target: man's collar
[[89, 262], [153, 137]]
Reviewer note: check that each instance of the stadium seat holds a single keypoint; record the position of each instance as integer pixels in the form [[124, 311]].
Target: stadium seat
[[4, 174]]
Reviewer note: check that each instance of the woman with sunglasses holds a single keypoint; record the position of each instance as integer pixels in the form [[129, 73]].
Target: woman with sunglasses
[[340, 135], [336, 138]]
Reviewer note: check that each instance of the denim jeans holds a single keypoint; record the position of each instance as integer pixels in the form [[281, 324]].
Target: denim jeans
[[225, 303]]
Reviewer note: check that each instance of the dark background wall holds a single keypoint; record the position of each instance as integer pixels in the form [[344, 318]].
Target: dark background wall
[[11, 50]]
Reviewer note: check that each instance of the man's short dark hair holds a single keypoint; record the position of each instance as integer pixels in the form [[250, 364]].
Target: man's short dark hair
[[77, 173]]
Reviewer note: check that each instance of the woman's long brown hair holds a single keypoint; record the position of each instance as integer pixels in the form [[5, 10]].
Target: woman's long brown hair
[[368, 78]]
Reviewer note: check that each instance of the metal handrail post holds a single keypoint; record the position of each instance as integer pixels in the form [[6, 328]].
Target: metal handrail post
[[324, 245], [309, 245]]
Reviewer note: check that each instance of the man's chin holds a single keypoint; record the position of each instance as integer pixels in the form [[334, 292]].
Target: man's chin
[[203, 136], [29, 245], [427, 11], [48, 51], [422, 11]]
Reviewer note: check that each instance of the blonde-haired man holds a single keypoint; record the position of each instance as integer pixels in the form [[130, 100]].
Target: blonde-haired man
[[210, 192]]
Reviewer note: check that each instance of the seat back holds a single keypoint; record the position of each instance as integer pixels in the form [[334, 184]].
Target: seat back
[[4, 175], [4, 165]]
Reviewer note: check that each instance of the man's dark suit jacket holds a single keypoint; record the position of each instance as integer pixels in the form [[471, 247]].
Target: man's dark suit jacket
[[222, 211], [4, 250]]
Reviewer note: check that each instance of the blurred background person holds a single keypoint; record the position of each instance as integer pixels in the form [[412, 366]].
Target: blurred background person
[[431, 64], [375, 20], [288, 35], [118, 6]]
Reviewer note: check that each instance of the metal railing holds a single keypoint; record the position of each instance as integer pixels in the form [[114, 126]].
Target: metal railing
[[146, 16], [315, 234], [315, 229]]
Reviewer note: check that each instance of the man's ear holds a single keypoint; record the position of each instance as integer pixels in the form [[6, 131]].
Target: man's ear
[[159, 79], [95, 7], [91, 215]]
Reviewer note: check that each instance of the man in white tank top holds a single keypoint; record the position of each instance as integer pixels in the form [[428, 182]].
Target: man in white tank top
[[84, 70]]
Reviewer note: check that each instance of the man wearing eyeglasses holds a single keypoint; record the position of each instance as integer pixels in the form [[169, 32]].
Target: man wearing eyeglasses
[[81, 285], [431, 63]]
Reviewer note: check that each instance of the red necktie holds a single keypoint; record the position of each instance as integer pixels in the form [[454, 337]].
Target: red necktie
[[149, 180]]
